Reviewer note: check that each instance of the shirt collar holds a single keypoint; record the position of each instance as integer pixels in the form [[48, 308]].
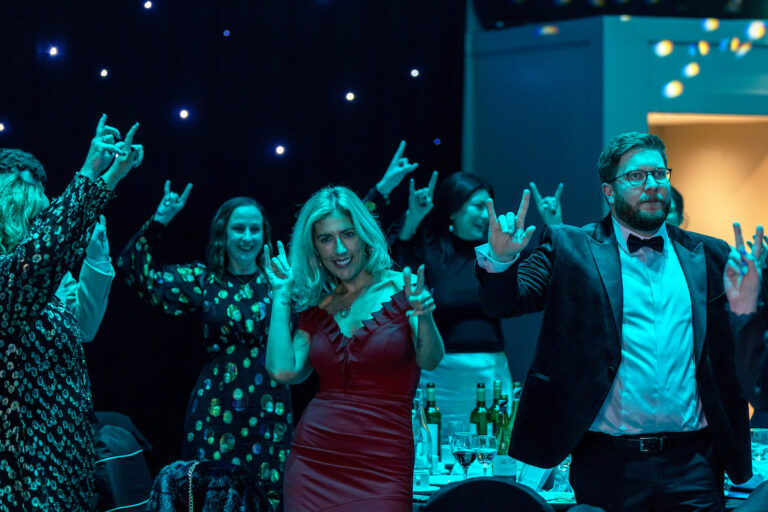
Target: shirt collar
[[623, 232]]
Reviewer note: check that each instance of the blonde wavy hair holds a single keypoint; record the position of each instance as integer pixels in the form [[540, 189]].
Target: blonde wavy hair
[[311, 279], [20, 202]]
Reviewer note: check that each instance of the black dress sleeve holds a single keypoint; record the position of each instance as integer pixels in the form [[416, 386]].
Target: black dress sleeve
[[30, 274], [177, 289]]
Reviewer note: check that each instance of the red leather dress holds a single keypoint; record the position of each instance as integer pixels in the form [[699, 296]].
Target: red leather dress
[[353, 448]]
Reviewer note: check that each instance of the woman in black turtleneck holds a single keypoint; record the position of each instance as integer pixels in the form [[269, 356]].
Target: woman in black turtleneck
[[444, 241]]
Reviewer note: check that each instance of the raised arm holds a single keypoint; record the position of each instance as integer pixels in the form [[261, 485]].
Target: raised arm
[[507, 234], [550, 207], [287, 359], [428, 343], [420, 203], [31, 272], [87, 296], [509, 287], [742, 279], [378, 196], [176, 288], [743, 276], [399, 167]]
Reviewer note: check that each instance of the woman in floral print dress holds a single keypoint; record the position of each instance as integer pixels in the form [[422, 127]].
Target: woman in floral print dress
[[46, 441], [235, 413]]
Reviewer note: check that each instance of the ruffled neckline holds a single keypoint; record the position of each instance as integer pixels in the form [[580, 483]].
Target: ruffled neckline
[[395, 307]]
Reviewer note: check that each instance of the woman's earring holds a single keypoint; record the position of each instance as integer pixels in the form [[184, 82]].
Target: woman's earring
[[450, 228]]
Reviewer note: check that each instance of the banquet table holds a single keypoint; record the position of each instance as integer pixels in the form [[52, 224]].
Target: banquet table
[[558, 500]]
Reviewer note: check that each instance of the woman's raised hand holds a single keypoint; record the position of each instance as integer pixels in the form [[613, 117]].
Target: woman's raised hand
[[279, 273], [549, 207], [104, 146], [398, 169], [98, 247], [171, 203], [743, 274], [420, 201], [130, 155], [418, 296]]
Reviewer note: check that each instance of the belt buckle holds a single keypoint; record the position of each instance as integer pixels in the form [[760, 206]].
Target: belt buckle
[[651, 444]]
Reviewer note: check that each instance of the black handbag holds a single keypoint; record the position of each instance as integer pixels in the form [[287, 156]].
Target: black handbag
[[206, 486]]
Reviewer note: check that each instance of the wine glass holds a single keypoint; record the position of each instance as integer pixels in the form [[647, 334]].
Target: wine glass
[[464, 449], [486, 449]]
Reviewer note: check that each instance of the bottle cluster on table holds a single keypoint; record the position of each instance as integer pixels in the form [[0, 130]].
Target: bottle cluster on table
[[495, 420]]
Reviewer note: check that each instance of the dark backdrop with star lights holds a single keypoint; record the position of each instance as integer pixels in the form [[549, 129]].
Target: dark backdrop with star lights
[[252, 75]]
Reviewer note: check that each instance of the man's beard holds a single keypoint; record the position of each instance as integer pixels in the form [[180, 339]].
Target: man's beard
[[638, 219]]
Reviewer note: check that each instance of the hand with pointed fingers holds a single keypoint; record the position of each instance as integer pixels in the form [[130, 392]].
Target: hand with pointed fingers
[[420, 201], [104, 146], [279, 273], [763, 251], [98, 246], [171, 203], [399, 167], [130, 157], [507, 234], [549, 207], [418, 295], [743, 275]]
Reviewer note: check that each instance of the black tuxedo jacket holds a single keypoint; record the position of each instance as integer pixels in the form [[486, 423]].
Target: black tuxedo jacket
[[575, 277]]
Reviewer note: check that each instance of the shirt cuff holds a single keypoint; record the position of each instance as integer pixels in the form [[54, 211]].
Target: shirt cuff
[[488, 263], [103, 266]]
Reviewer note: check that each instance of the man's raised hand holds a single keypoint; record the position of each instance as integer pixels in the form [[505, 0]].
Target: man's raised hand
[[507, 234]]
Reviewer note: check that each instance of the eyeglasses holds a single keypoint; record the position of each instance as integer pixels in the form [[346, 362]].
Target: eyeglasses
[[638, 176]]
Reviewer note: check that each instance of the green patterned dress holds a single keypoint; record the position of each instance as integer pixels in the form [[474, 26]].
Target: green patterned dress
[[46, 441], [236, 413]]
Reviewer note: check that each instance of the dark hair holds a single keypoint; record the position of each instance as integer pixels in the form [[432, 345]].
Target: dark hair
[[451, 195], [16, 160], [677, 197], [218, 260], [608, 164]]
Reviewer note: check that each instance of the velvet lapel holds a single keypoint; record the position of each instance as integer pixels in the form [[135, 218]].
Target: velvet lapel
[[691, 255], [605, 252]]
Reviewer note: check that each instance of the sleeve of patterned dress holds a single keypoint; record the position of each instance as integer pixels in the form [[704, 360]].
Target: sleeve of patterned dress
[[31, 273], [176, 288]]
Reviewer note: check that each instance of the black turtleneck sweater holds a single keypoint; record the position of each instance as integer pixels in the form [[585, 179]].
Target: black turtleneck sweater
[[450, 272]]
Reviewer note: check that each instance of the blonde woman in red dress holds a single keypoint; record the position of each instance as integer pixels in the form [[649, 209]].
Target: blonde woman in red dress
[[367, 331]]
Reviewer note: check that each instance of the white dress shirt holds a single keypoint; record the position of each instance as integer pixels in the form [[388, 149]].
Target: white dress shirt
[[655, 385]]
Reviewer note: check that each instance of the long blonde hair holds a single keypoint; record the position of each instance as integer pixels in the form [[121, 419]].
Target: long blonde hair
[[311, 279], [20, 202]]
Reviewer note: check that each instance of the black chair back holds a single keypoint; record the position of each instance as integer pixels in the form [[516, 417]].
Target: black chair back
[[488, 495]]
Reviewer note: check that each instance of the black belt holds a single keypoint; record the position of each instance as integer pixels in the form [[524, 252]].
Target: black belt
[[646, 443]]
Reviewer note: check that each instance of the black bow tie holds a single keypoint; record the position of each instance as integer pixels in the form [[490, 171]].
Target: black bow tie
[[634, 243]]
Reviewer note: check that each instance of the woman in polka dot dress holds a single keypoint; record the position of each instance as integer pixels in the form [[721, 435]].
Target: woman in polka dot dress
[[236, 413], [46, 441]]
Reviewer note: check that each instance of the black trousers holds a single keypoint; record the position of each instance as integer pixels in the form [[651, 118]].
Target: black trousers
[[627, 474]]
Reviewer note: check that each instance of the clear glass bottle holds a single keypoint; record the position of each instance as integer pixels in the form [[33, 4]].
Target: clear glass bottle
[[517, 391], [422, 440], [504, 426], [434, 420]]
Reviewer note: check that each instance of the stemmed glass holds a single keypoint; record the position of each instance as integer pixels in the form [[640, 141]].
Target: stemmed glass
[[464, 449], [486, 449]]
